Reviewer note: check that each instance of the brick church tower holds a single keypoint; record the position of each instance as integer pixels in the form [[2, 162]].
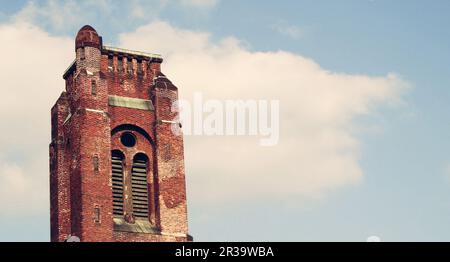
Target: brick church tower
[[116, 165]]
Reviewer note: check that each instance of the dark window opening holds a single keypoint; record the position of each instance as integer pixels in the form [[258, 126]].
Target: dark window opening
[[128, 139], [130, 66], [139, 67], [82, 54], [94, 87], [120, 65], [110, 63], [117, 159], [97, 215], [95, 163], [139, 186]]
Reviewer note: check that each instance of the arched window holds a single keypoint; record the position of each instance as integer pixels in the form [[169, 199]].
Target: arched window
[[117, 160], [139, 185]]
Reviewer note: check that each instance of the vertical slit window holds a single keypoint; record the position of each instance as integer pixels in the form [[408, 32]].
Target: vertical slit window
[[110, 63], [94, 87], [97, 215], [117, 160], [139, 67], [130, 66], [120, 64], [139, 186], [95, 163], [82, 54]]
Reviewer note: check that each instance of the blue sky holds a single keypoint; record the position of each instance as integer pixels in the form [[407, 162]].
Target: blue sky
[[403, 192]]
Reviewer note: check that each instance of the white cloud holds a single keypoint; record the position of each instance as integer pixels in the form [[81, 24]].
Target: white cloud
[[31, 81], [318, 150], [13, 181], [24, 187]]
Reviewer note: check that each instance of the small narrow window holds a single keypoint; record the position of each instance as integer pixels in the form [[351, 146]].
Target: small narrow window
[[139, 67], [95, 163], [94, 87], [110, 63], [130, 66], [97, 215], [82, 54], [120, 64]]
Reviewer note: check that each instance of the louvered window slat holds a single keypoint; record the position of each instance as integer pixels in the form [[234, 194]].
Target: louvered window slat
[[117, 183], [139, 188]]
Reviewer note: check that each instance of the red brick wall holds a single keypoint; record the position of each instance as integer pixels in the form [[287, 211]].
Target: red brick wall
[[59, 175], [82, 126], [170, 163]]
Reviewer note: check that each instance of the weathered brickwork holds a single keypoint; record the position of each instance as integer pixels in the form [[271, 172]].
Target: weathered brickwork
[[116, 166]]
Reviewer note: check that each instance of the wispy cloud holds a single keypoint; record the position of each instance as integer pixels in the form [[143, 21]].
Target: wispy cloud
[[200, 3], [286, 29], [60, 15]]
